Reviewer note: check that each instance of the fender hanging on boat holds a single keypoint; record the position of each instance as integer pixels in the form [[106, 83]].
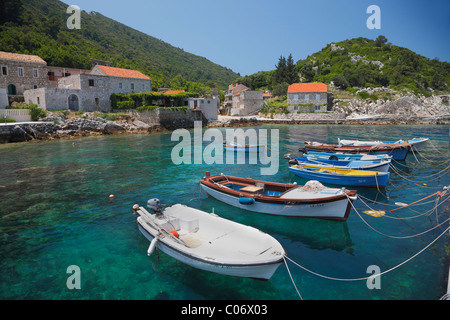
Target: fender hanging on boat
[[246, 200], [152, 246]]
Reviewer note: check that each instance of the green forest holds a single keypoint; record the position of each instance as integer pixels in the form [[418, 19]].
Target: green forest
[[39, 27], [357, 63]]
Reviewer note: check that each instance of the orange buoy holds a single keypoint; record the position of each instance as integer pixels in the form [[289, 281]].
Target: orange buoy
[[135, 207], [175, 233], [111, 196]]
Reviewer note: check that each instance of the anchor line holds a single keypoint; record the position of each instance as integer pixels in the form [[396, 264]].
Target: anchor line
[[375, 275]]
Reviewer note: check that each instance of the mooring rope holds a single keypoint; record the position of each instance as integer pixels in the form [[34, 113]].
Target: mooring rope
[[372, 276], [427, 213], [293, 282], [395, 237]]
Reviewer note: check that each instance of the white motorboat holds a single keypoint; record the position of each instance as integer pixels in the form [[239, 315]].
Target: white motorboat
[[209, 242]]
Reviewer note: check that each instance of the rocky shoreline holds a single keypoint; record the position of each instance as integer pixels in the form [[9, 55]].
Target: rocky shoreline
[[407, 110]]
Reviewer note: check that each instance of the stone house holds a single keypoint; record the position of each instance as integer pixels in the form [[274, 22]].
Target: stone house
[[89, 92], [309, 97], [20, 72], [247, 102], [229, 94]]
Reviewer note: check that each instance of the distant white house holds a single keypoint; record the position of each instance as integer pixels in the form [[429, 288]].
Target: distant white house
[[208, 106]]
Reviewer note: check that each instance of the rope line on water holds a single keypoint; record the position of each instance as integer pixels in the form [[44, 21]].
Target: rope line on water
[[372, 276], [285, 263], [396, 237]]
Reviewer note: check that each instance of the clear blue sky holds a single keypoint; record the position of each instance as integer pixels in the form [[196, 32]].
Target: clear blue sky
[[250, 35]]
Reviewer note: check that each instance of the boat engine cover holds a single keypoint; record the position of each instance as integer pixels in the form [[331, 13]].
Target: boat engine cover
[[155, 205]]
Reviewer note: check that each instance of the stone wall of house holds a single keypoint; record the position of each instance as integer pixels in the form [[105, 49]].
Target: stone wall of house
[[34, 75], [86, 91], [247, 103], [3, 98], [309, 102]]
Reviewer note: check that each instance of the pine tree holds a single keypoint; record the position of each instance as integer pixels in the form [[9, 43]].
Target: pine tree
[[291, 73]]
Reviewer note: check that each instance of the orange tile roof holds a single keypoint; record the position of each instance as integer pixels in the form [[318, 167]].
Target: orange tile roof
[[124, 73], [20, 57], [173, 91], [307, 87]]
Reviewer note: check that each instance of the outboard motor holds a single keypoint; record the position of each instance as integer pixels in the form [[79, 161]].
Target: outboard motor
[[155, 205], [303, 150]]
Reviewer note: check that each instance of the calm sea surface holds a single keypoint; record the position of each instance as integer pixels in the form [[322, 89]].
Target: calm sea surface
[[55, 212]]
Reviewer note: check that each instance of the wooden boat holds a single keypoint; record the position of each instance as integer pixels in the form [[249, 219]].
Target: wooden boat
[[208, 242], [311, 154], [377, 165], [312, 200], [398, 151], [341, 177], [416, 143], [236, 147]]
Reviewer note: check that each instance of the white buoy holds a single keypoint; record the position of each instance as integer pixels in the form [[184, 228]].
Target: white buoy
[[152, 246], [400, 204]]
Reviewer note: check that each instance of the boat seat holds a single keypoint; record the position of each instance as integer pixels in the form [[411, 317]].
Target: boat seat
[[191, 240]]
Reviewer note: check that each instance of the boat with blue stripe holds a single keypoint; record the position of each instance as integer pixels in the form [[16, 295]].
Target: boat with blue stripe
[[376, 165], [341, 177]]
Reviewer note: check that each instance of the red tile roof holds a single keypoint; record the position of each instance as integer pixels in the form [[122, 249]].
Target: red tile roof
[[124, 73], [307, 87], [20, 57], [173, 91]]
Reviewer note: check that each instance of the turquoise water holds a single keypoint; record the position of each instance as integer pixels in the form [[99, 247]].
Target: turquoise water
[[55, 211]]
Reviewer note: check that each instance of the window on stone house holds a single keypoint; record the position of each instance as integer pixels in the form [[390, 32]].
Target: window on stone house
[[4, 70], [132, 86], [120, 85], [317, 96], [295, 96], [143, 87], [38, 101], [306, 96], [91, 82], [20, 71], [35, 73]]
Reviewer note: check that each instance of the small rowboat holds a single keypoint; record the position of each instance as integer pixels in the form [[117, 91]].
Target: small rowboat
[[398, 151], [208, 242], [284, 199], [342, 177], [236, 147], [416, 143], [378, 165]]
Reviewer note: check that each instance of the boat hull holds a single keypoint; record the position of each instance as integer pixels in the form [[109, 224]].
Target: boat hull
[[397, 152], [261, 271], [377, 166], [244, 148], [371, 181], [334, 210]]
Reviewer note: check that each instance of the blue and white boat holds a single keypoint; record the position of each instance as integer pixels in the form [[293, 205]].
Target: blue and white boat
[[341, 177], [398, 151], [236, 147], [376, 165], [311, 154]]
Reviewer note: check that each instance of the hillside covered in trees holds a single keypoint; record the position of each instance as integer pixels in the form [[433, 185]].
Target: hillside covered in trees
[[39, 27], [359, 63]]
